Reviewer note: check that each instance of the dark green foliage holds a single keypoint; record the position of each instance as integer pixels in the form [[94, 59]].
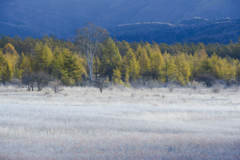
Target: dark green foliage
[[111, 59], [71, 68], [27, 44]]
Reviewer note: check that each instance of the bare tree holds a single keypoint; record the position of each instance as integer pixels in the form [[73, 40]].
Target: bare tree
[[28, 79], [101, 84], [42, 80], [87, 40], [38, 80], [56, 86]]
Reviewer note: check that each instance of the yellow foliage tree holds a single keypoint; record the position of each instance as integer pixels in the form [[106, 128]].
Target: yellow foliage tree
[[126, 62], [227, 71], [156, 64], [148, 49], [143, 60], [11, 56], [134, 69], [215, 66], [111, 58], [183, 71], [168, 69], [24, 65], [9, 49], [123, 47], [116, 76], [5, 69], [42, 58]]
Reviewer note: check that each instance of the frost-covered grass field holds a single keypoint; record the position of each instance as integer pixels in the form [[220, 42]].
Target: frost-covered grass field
[[82, 123]]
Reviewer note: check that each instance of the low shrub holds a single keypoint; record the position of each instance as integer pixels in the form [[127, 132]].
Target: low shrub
[[207, 79], [216, 88], [56, 86]]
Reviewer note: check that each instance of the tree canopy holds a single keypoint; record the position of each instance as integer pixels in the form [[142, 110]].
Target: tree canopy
[[118, 61]]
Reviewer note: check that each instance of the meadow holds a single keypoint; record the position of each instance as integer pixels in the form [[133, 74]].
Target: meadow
[[82, 123]]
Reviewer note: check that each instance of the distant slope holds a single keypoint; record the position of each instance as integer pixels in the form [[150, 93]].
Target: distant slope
[[62, 17], [191, 30]]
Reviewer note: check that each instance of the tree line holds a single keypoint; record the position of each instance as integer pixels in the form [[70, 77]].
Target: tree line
[[118, 62]]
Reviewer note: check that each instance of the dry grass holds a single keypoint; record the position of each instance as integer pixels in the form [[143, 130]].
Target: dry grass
[[82, 123]]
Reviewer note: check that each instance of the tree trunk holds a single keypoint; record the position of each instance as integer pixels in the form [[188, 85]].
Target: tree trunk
[[166, 72], [90, 76]]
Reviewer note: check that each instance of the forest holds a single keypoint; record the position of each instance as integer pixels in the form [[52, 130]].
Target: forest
[[118, 62], [195, 30]]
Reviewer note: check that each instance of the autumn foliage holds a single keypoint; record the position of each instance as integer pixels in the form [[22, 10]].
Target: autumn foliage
[[119, 61]]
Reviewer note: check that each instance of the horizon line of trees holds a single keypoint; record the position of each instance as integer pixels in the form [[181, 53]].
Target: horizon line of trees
[[119, 62]]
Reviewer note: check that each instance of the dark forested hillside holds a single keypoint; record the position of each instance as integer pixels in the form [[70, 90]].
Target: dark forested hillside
[[192, 30], [62, 17]]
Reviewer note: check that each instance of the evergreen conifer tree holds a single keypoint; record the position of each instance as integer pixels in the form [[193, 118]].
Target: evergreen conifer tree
[[156, 64], [144, 61], [42, 58], [130, 66], [71, 69], [123, 48], [6, 73], [116, 76], [111, 59], [134, 69], [168, 69], [11, 57], [58, 64], [183, 71], [24, 65]]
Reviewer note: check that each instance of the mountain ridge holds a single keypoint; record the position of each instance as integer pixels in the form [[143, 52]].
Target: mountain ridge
[[192, 30], [62, 17]]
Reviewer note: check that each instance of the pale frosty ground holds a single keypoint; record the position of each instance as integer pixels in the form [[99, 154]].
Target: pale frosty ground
[[82, 123]]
